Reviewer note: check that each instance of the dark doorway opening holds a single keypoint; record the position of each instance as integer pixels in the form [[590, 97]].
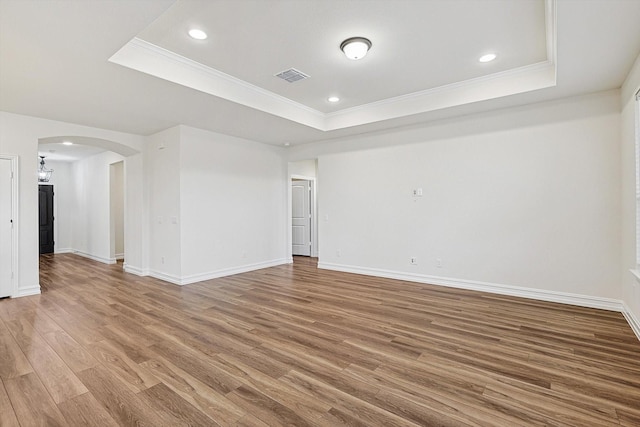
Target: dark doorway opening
[[45, 207]]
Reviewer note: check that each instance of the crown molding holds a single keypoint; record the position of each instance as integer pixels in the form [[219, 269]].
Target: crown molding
[[148, 58]]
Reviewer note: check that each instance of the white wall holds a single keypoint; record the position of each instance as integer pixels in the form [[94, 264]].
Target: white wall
[[62, 181], [136, 221], [233, 204], [630, 284], [19, 136], [527, 197], [163, 183], [91, 214], [116, 201], [306, 168]]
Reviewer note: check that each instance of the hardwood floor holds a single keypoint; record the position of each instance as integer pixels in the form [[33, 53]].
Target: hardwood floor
[[293, 345]]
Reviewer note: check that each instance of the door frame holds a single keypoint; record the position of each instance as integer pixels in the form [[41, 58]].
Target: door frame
[[314, 215], [13, 159]]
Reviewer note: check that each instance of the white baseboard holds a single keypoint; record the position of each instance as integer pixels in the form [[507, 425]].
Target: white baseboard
[[194, 278], [63, 251], [231, 271], [634, 322], [517, 291], [95, 257], [166, 277], [25, 292], [119, 256], [128, 268]]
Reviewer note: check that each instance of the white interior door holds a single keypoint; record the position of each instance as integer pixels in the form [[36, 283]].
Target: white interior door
[[6, 229], [300, 218]]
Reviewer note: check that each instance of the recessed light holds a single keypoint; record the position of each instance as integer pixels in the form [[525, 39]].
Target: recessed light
[[333, 99], [197, 34], [487, 58], [67, 143]]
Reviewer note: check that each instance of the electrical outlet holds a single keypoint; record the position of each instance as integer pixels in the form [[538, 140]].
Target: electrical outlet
[[413, 260], [439, 262]]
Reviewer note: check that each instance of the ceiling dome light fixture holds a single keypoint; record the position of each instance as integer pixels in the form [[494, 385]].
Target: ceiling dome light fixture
[[333, 99], [487, 58], [355, 47], [197, 34], [67, 143], [44, 174]]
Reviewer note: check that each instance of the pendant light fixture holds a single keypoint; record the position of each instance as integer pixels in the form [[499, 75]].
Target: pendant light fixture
[[44, 174], [355, 47]]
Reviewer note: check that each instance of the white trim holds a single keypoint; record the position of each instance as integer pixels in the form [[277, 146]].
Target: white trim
[[165, 277], [313, 184], [95, 257], [128, 268], [148, 58], [633, 321], [119, 256], [15, 229], [517, 291], [186, 280], [551, 25], [194, 278], [154, 60], [509, 82], [25, 292], [636, 119], [63, 251]]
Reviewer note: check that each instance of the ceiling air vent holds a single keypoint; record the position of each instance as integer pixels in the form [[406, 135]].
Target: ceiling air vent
[[292, 75]]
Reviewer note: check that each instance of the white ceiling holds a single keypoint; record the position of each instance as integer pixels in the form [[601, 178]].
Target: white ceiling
[[67, 153], [254, 39], [54, 61]]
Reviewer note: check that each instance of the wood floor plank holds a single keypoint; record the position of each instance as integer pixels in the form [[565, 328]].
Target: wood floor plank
[[266, 409], [115, 359], [303, 404], [13, 362], [194, 391], [7, 414], [58, 379], [355, 407], [81, 331], [629, 417], [547, 407], [84, 410], [12, 308], [74, 355], [198, 365], [173, 408], [32, 404], [294, 345], [41, 322], [250, 421], [118, 400]]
